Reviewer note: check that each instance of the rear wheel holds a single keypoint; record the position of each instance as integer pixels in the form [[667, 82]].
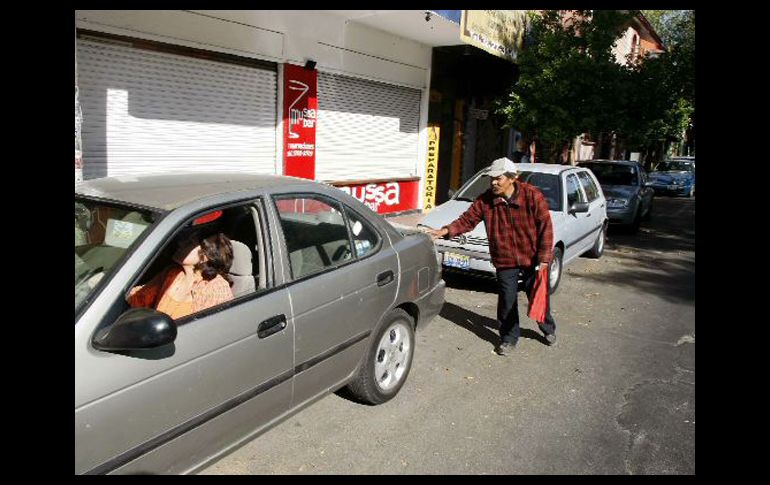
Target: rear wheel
[[554, 274], [387, 361]]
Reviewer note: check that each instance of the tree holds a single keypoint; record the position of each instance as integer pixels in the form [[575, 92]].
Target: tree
[[569, 81], [663, 95]]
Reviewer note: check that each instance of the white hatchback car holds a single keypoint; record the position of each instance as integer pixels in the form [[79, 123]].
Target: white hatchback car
[[578, 211]]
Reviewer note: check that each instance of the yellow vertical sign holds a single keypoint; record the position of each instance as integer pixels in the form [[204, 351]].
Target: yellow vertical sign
[[431, 169]]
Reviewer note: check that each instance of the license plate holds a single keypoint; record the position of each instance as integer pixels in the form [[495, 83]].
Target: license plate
[[454, 260], [673, 187]]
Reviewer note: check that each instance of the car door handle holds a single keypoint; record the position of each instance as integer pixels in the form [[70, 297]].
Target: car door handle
[[384, 278], [271, 326]]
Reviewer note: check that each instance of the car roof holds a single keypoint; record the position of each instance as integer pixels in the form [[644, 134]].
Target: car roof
[[169, 191], [608, 162], [543, 167]]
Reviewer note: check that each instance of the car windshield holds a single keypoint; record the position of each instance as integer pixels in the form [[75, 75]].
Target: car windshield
[[613, 174], [546, 182], [103, 234], [675, 166]]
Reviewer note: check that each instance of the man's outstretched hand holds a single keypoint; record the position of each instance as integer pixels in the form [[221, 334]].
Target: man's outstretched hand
[[437, 233]]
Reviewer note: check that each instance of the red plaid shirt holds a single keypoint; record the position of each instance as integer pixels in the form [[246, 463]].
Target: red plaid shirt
[[520, 234]]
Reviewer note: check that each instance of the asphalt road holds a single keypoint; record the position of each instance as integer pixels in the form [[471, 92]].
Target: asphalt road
[[615, 395]]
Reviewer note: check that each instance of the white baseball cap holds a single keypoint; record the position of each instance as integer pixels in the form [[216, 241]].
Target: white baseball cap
[[501, 166]]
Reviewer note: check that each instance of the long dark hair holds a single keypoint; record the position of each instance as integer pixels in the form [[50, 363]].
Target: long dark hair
[[219, 253]]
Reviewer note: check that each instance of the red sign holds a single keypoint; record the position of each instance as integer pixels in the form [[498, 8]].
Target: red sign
[[385, 197], [300, 111]]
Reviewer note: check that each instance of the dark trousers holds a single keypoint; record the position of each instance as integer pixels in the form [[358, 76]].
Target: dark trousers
[[508, 306]]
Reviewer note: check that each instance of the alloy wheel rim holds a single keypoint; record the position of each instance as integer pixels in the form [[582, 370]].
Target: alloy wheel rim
[[391, 360], [601, 241], [555, 271]]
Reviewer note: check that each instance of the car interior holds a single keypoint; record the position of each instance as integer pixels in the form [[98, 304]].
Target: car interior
[[316, 236], [240, 225], [102, 235]]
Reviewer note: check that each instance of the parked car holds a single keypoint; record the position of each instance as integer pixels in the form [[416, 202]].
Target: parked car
[[578, 213], [629, 195], [327, 294], [675, 176]]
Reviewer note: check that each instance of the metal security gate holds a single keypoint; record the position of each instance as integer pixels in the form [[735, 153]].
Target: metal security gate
[[149, 111], [366, 129]]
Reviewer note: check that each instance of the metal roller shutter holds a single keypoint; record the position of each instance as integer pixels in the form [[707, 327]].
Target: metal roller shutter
[[366, 129], [149, 112]]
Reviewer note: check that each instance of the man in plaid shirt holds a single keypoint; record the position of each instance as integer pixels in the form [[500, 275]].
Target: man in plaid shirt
[[520, 237]]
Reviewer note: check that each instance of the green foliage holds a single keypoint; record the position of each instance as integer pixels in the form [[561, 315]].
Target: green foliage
[[664, 98], [570, 82]]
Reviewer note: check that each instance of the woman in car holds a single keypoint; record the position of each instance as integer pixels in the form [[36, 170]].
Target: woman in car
[[198, 281]]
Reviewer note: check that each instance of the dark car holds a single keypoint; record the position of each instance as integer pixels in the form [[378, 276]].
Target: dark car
[[676, 177], [628, 192], [325, 294]]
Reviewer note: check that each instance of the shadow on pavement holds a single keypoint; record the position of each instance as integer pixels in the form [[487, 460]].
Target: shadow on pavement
[[671, 228], [659, 259], [672, 285], [470, 282], [483, 326]]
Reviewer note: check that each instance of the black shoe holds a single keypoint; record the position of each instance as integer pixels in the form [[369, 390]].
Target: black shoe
[[505, 348], [550, 339]]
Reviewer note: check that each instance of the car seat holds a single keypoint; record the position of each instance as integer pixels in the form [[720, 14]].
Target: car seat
[[241, 270]]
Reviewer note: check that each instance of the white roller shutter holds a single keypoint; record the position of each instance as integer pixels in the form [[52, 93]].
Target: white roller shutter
[[366, 129], [150, 112]]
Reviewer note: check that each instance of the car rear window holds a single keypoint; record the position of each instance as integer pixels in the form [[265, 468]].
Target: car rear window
[[676, 165], [614, 174], [548, 185]]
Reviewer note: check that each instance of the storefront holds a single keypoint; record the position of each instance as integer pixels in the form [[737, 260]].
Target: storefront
[[367, 138], [171, 91], [150, 107], [466, 82]]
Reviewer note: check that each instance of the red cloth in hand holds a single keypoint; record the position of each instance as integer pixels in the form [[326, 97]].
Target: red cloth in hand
[[538, 299]]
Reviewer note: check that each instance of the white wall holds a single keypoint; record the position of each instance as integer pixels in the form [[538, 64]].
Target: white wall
[[624, 45], [276, 35]]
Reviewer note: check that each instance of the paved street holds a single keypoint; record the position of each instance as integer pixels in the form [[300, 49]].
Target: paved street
[[615, 395]]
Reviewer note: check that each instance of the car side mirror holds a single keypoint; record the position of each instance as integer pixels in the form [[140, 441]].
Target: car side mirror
[[451, 193], [137, 329], [578, 207]]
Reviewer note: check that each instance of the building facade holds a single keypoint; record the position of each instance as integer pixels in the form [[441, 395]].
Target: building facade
[[338, 96]]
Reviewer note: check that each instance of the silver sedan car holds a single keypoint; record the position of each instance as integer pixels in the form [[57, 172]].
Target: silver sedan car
[[325, 294]]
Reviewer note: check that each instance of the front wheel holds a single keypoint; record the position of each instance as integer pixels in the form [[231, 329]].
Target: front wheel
[[648, 214], [634, 226], [554, 274], [387, 361], [598, 248]]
